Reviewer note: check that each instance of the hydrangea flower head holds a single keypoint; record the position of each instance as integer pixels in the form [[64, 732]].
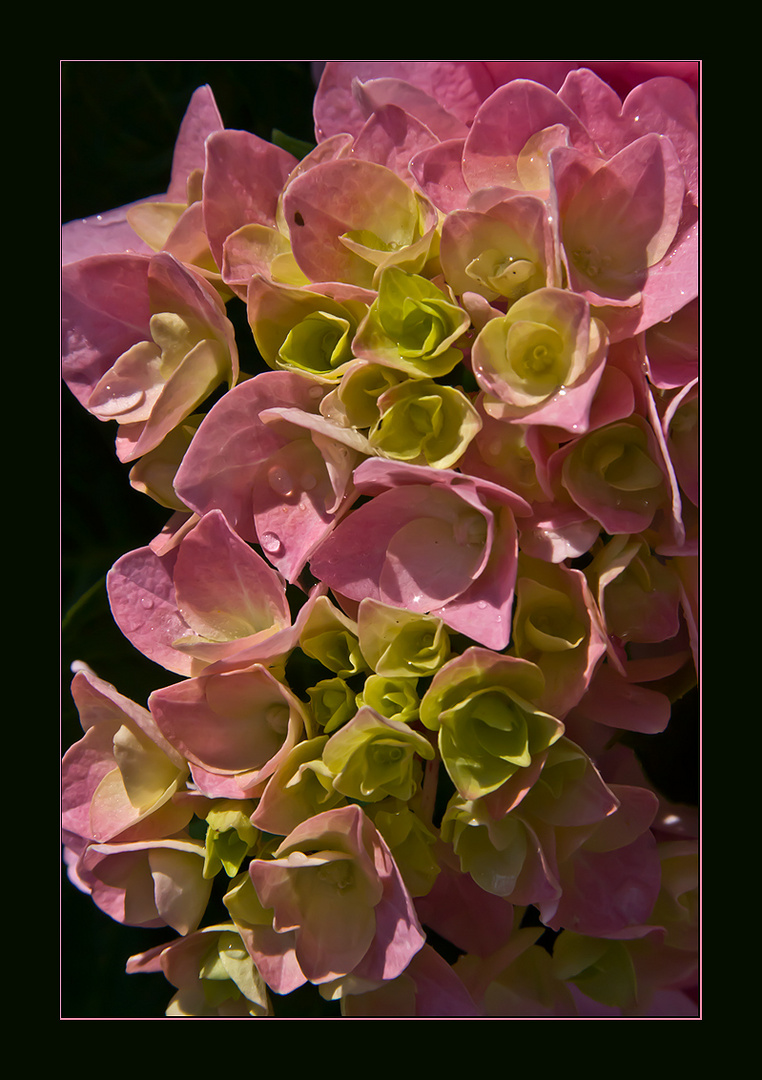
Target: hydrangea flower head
[[421, 401]]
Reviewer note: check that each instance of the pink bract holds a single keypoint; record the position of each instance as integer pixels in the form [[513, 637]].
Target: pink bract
[[343, 910], [146, 340], [234, 728], [276, 484], [209, 598], [445, 545], [119, 779]]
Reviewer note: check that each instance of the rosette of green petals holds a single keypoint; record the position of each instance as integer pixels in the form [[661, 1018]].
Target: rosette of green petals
[[601, 969], [637, 593], [481, 704], [492, 852], [213, 972], [227, 974], [547, 346], [424, 423], [333, 703], [230, 837], [354, 402], [372, 757], [300, 788], [395, 697], [396, 642], [617, 475], [297, 329], [320, 344], [410, 842], [557, 626], [412, 326], [331, 637], [545, 620]]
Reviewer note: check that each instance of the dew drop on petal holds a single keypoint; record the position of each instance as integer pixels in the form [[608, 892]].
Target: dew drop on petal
[[271, 544], [280, 480], [146, 602]]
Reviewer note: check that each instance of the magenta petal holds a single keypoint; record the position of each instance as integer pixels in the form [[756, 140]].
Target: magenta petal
[[458, 86], [275, 957], [202, 118], [105, 309], [504, 125], [222, 468], [224, 590], [609, 893], [425, 567], [377, 95], [460, 911], [438, 171], [142, 598], [240, 722], [107, 233], [613, 701], [621, 219], [243, 179]]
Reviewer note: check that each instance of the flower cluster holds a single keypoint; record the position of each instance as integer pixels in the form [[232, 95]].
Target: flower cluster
[[430, 566]]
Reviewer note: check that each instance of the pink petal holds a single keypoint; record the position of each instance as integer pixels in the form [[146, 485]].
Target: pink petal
[[243, 179]]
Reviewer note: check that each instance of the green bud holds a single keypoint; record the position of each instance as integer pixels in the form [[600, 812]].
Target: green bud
[[600, 968], [482, 705], [230, 836], [372, 757], [331, 637], [393, 697], [320, 344], [424, 423], [333, 703], [399, 643], [491, 851], [412, 326], [410, 843]]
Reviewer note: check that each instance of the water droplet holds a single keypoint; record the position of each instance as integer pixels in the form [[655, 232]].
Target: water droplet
[[280, 480], [482, 604], [146, 602], [271, 544], [308, 481]]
